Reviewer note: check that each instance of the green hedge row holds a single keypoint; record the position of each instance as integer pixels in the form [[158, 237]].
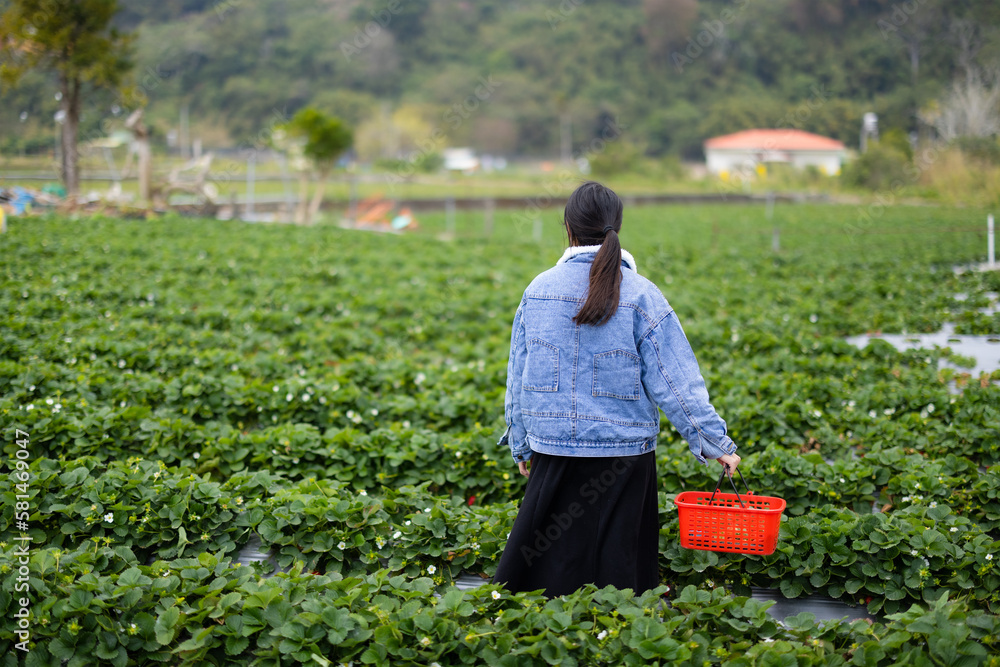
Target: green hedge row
[[102, 606]]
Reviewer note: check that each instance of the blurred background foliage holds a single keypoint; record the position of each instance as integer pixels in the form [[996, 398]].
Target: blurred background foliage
[[674, 72]]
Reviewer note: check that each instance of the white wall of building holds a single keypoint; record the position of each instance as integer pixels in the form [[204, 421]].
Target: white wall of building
[[733, 160]]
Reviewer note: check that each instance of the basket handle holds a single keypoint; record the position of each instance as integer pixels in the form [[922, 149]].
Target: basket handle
[[725, 469]]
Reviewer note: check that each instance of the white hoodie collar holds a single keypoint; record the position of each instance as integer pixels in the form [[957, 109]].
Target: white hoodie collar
[[575, 250]]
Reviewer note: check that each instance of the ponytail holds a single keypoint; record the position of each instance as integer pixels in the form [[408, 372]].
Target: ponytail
[[605, 282]]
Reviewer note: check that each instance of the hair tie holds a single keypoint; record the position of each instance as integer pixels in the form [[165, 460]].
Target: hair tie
[[609, 228]]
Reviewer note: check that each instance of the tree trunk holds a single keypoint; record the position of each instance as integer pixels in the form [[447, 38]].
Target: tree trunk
[[317, 197], [302, 207], [70, 105]]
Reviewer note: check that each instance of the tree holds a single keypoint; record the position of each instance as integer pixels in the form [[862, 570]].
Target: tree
[[323, 139], [73, 38], [971, 108], [667, 25]]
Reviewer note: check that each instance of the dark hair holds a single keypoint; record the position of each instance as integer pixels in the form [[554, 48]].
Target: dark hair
[[593, 216]]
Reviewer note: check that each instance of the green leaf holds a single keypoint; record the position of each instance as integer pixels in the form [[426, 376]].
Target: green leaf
[[165, 625], [133, 577], [790, 588], [236, 645]]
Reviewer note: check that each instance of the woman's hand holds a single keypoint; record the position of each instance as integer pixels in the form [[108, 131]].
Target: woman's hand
[[522, 467], [731, 460]]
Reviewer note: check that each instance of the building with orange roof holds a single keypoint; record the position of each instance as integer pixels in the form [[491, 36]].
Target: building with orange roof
[[746, 151]]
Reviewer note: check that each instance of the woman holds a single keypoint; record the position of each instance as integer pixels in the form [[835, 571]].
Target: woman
[[595, 351]]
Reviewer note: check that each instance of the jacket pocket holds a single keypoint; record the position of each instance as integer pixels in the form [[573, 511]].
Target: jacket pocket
[[618, 374], [541, 367]]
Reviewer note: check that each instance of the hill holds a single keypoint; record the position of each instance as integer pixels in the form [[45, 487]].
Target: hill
[[535, 76]]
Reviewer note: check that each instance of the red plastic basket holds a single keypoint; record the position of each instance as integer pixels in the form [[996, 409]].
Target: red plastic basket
[[729, 522]]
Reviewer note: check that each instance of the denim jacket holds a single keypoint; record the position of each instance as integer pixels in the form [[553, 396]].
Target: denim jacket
[[584, 390]]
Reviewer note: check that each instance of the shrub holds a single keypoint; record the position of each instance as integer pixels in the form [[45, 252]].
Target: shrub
[[879, 168]]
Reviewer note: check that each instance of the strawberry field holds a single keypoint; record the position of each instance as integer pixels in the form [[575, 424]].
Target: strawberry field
[[180, 386]]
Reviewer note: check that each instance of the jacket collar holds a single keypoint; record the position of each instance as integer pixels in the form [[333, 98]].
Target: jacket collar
[[575, 250]]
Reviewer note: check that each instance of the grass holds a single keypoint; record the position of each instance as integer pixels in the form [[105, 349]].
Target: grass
[[950, 179]]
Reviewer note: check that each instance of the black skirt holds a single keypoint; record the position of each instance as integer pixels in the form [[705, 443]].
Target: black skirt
[[584, 520]]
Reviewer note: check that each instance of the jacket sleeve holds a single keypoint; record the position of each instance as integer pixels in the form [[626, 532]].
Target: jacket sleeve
[[671, 376], [515, 436]]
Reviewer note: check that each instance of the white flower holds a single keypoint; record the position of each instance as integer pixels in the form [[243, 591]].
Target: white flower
[[496, 595], [913, 552], [842, 480], [917, 485], [458, 455], [196, 455], [989, 556], [872, 414], [380, 542], [306, 396], [419, 379], [431, 569], [933, 504], [889, 411], [276, 389], [406, 423], [814, 318], [374, 412], [49, 401], [435, 664], [362, 492], [322, 399], [408, 522], [851, 404], [475, 545], [953, 529], [288, 396], [398, 535], [817, 413], [427, 509], [121, 363], [426, 641], [30, 406], [601, 635], [341, 545], [930, 407], [109, 517]]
